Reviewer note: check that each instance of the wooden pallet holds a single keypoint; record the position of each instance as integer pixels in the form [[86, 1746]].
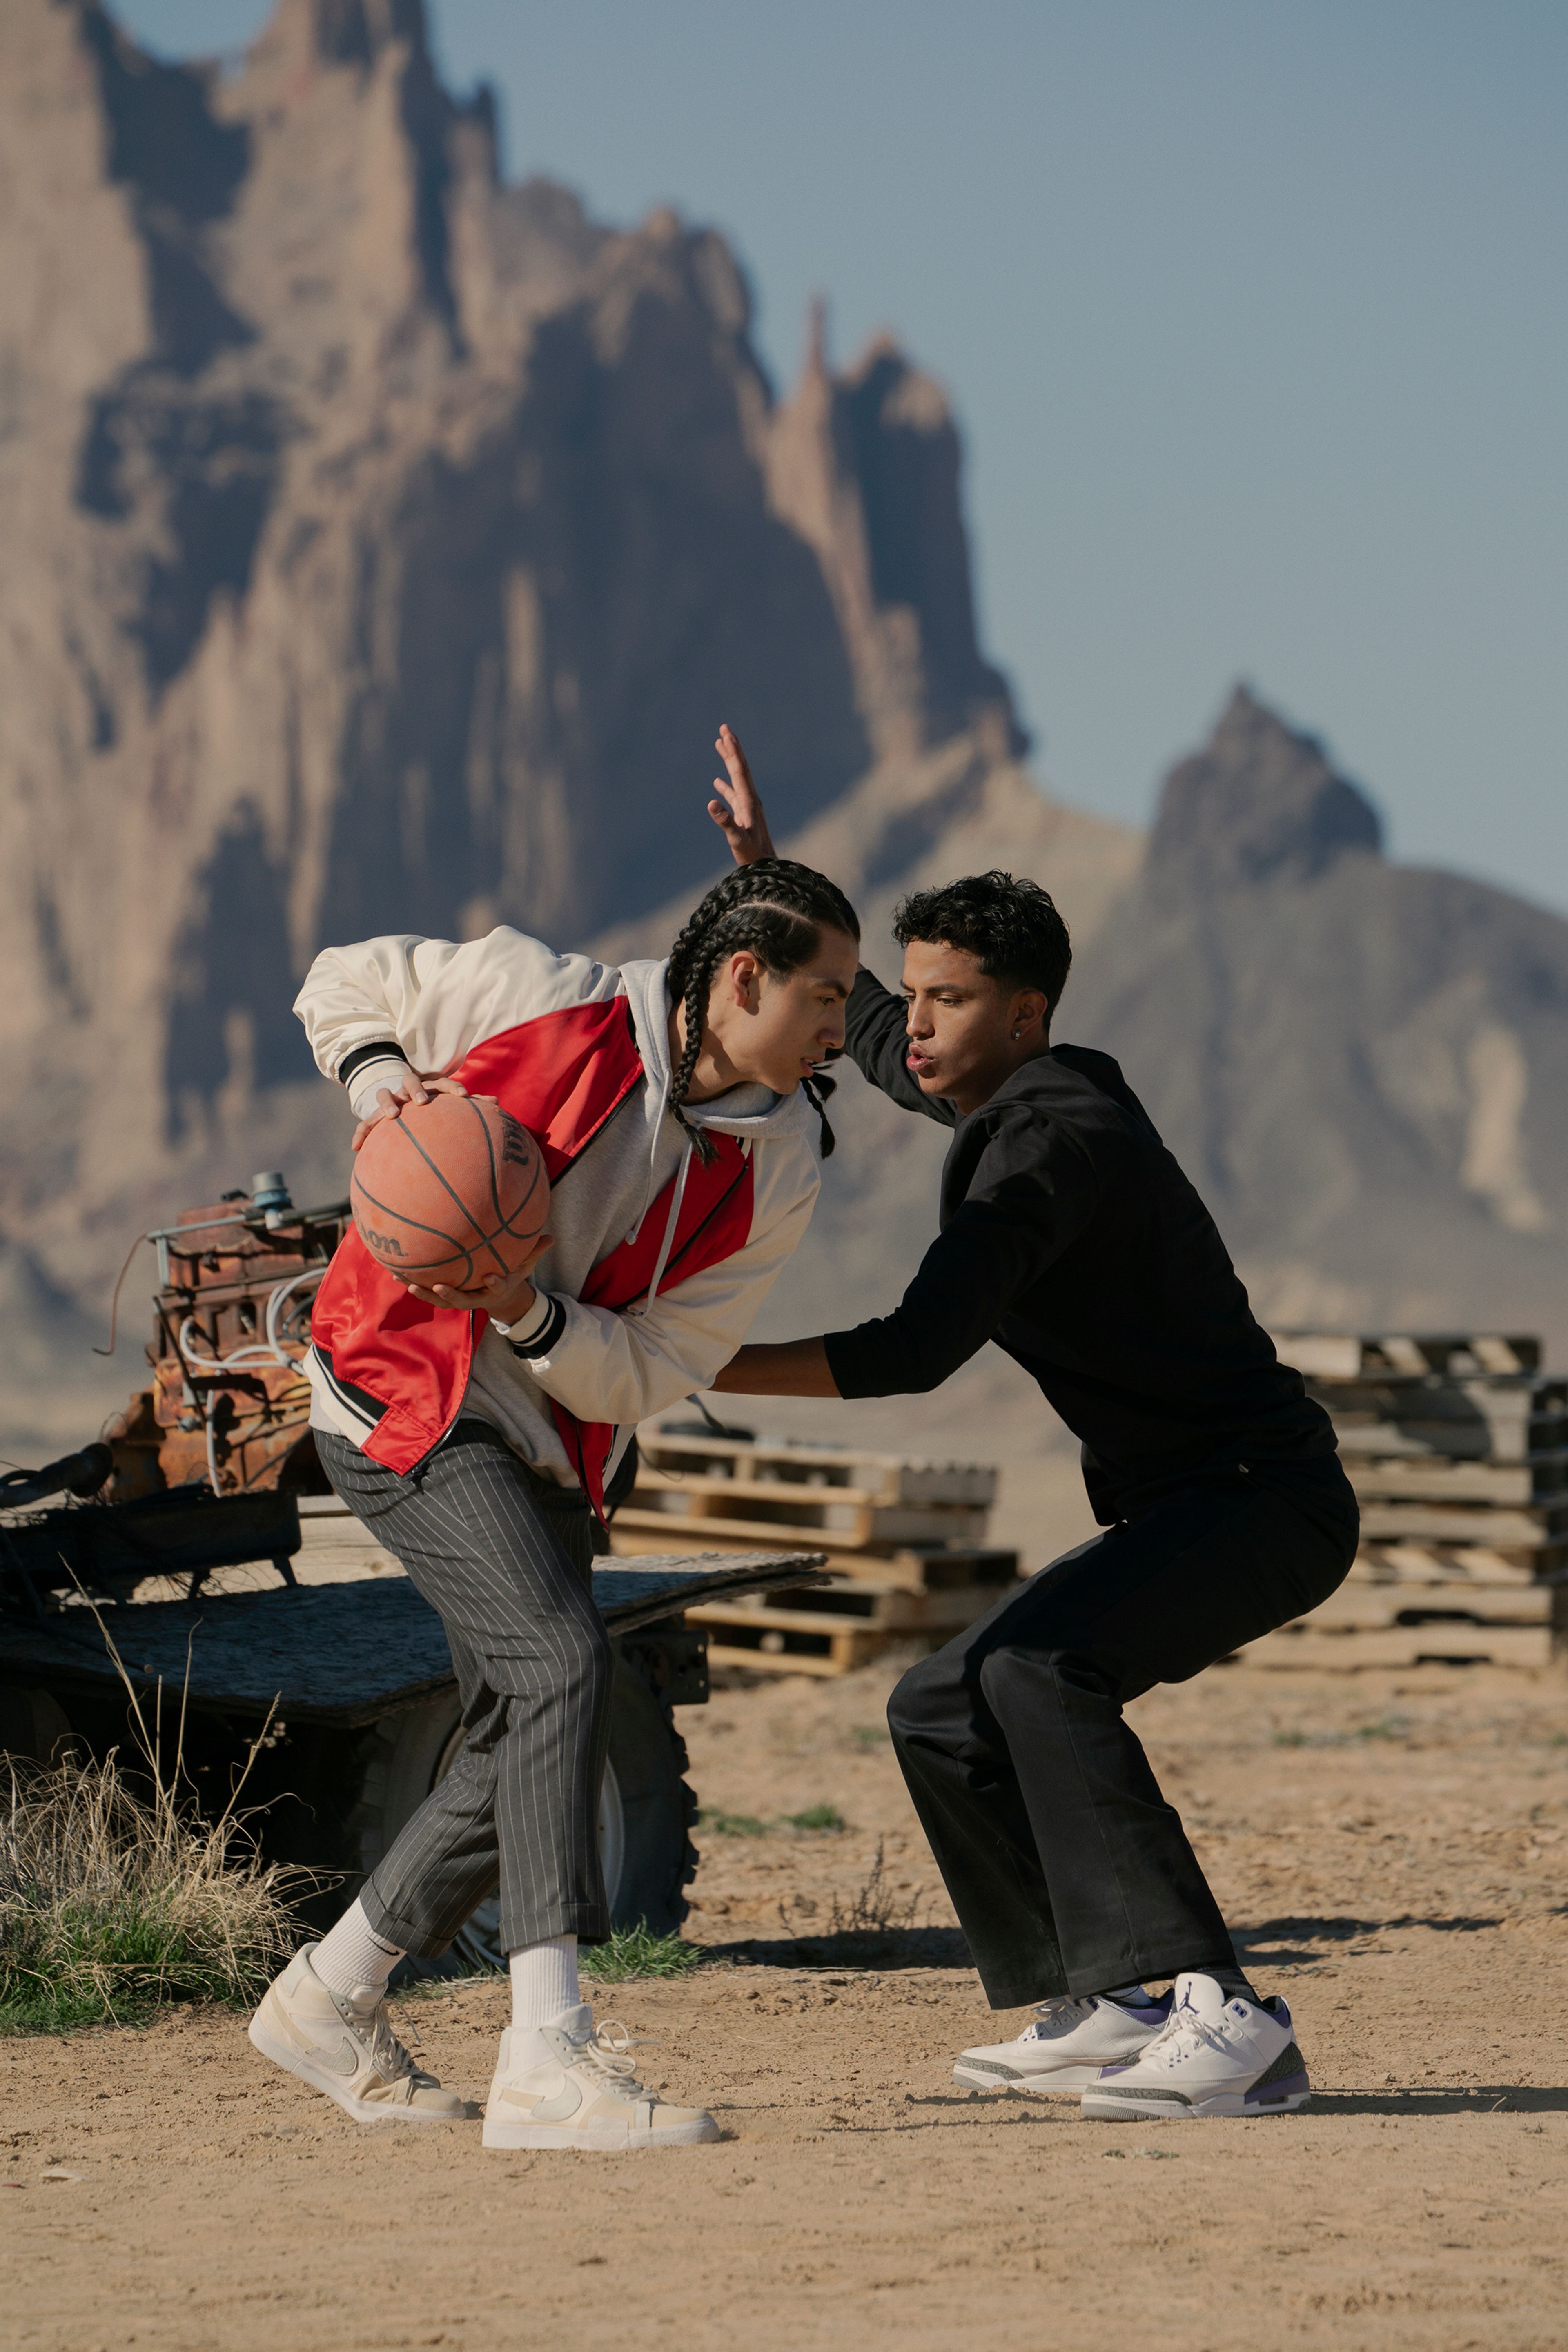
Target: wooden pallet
[[740, 1491], [1458, 1449], [914, 1563], [831, 1628], [1351, 1356], [1460, 1564], [884, 1479], [786, 1642], [1384, 1606], [914, 1526], [1350, 1652], [1526, 1527], [1513, 1420]]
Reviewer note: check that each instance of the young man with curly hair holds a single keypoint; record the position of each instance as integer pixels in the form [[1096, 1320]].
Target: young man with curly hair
[[1071, 1238]]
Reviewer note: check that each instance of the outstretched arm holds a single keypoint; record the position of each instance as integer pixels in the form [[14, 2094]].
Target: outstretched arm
[[788, 1368], [1022, 1211]]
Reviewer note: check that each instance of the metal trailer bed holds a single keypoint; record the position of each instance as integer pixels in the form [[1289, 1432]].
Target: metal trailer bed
[[350, 1677]]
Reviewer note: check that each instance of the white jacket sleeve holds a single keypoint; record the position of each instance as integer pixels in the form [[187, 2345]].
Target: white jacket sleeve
[[436, 999], [625, 1367]]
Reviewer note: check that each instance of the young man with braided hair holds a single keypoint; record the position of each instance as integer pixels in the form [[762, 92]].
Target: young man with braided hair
[[480, 1434], [1070, 1237]]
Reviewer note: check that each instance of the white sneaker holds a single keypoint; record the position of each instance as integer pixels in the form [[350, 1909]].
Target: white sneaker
[[344, 2045], [1066, 2047], [1216, 2056], [565, 2085]]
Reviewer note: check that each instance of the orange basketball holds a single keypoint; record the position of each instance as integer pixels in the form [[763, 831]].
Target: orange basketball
[[450, 1190]]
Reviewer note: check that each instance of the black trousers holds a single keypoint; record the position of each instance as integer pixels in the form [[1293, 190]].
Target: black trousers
[[1068, 1871]]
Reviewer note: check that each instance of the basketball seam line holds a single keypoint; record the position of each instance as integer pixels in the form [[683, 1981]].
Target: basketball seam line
[[459, 1247], [453, 1195]]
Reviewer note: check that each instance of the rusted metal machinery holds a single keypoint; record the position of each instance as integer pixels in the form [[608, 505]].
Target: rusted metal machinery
[[229, 1400]]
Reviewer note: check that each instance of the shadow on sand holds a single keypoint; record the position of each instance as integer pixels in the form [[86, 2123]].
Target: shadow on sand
[[877, 1948], [1488, 2099]]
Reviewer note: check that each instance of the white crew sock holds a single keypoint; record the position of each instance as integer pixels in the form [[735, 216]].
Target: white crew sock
[[1131, 1996], [543, 1981], [352, 1954]]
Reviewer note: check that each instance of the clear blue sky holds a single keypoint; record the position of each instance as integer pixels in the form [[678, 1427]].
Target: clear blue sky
[[1254, 312]]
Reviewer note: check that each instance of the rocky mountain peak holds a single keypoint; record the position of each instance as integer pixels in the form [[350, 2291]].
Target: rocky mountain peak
[[356, 32], [864, 464], [385, 543], [1259, 803]]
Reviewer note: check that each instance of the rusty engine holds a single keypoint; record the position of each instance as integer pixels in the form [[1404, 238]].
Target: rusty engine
[[228, 1407]]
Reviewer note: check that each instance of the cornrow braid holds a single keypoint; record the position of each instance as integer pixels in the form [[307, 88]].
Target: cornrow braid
[[776, 909]]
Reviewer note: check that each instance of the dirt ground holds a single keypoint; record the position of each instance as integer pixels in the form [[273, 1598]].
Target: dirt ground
[[1391, 1851]]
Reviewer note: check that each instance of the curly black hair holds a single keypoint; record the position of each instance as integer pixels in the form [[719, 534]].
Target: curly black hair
[[1012, 926], [775, 909]]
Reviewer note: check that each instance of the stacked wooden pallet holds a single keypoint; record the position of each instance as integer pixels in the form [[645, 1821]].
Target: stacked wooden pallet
[[905, 1542], [1457, 1448]]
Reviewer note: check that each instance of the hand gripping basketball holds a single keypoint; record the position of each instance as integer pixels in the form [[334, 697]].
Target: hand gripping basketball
[[451, 1193]]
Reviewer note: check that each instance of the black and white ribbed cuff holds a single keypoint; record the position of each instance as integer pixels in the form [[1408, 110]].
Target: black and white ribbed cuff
[[364, 1072], [537, 1333]]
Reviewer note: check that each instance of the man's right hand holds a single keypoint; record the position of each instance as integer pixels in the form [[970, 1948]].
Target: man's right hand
[[391, 1102], [738, 811]]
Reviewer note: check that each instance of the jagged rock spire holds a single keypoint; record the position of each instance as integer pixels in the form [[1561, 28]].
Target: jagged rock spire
[[1259, 803], [866, 467]]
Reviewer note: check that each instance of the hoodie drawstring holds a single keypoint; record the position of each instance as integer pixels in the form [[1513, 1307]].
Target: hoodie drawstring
[[668, 1242]]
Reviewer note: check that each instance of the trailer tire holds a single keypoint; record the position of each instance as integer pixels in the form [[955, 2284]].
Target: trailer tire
[[646, 1810]]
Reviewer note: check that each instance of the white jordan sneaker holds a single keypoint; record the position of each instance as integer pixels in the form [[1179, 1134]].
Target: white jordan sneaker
[[1215, 2056], [344, 2045], [565, 2085], [1066, 2047]]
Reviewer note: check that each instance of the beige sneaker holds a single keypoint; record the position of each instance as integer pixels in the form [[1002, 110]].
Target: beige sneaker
[[344, 2047], [566, 2085]]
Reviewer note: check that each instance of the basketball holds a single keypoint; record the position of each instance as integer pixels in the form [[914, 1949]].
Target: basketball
[[451, 1191]]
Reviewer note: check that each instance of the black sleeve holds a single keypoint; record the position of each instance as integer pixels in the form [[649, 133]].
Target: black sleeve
[[877, 1041], [1028, 1199]]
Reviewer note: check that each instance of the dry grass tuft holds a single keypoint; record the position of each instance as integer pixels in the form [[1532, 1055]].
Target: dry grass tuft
[[112, 1900], [110, 1904]]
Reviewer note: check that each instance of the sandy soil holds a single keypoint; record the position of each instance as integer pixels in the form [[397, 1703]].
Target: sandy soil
[[1391, 1851]]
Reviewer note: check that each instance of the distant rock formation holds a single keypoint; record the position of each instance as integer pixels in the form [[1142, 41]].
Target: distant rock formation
[[1362, 1066], [866, 467], [384, 544]]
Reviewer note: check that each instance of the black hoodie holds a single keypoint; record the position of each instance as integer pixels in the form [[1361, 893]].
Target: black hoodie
[[1070, 1236]]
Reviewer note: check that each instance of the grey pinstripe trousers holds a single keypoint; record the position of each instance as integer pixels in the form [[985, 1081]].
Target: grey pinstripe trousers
[[504, 1557]]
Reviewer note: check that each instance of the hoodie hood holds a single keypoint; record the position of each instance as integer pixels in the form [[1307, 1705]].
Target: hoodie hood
[[750, 1113]]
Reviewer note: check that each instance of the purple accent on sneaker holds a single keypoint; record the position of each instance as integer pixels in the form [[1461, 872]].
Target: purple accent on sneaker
[[1268, 2095], [1160, 2007]]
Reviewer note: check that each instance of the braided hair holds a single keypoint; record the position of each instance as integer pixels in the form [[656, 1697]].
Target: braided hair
[[776, 910]]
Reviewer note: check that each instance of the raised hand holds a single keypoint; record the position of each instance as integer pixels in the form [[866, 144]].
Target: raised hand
[[738, 811]]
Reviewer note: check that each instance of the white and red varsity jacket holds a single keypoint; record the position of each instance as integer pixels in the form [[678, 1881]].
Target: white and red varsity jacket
[[659, 1260]]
